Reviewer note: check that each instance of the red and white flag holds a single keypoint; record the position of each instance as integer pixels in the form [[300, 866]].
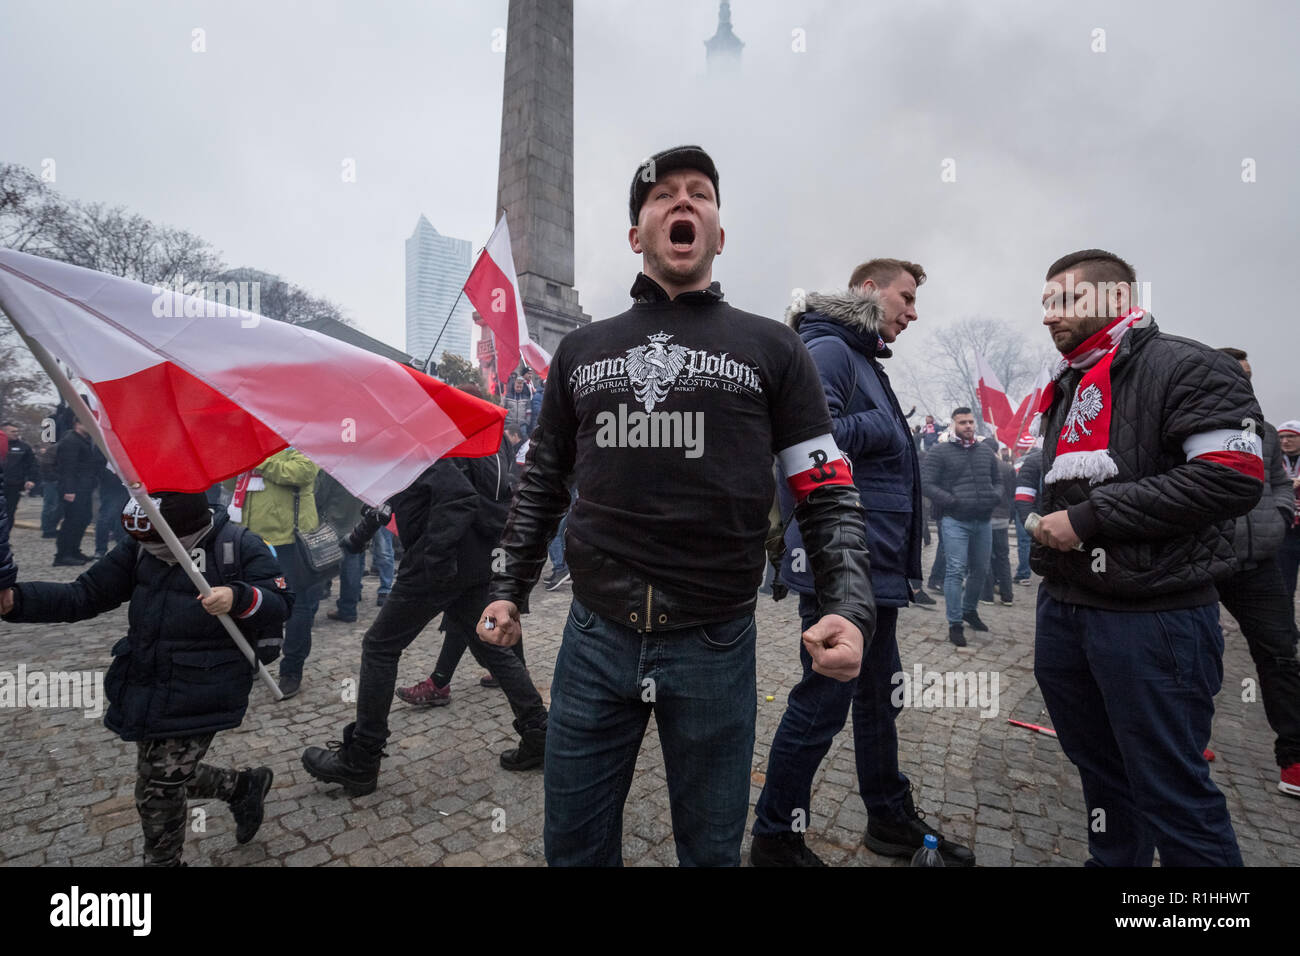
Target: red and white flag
[[1022, 431], [493, 288], [994, 404], [189, 391]]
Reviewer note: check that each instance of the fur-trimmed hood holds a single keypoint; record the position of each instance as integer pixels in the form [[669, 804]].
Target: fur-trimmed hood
[[861, 314], [850, 308]]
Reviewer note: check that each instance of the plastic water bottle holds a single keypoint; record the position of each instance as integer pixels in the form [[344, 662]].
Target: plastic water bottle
[[928, 855]]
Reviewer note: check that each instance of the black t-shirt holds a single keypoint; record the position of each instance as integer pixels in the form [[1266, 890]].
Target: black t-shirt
[[677, 408]]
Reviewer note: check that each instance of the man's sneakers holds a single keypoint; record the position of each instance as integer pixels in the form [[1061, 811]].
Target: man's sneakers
[[557, 579], [425, 694], [346, 762], [72, 560], [1024, 580], [972, 618], [784, 849], [380, 598], [920, 597], [249, 802], [336, 616], [905, 835], [1290, 782], [289, 686], [1005, 602], [956, 636]]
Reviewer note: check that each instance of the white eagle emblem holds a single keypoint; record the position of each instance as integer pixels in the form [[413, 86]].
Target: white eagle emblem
[[652, 368], [1086, 406]]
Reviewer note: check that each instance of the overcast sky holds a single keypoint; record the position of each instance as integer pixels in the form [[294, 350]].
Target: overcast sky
[[827, 156]]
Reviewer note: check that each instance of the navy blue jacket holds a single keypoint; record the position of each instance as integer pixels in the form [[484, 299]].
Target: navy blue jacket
[[177, 673], [840, 331]]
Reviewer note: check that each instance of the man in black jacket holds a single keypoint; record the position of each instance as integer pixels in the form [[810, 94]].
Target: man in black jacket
[[962, 478], [449, 520], [1146, 459], [667, 418], [20, 471], [177, 678], [1256, 598], [78, 463]]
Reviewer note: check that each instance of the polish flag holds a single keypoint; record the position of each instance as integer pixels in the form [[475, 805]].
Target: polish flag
[[994, 404], [189, 391], [493, 288], [1022, 431]]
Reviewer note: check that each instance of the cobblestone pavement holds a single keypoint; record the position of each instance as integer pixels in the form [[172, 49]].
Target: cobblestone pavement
[[1008, 793]]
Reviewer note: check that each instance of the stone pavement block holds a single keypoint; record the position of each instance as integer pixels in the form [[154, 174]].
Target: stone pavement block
[[66, 783]]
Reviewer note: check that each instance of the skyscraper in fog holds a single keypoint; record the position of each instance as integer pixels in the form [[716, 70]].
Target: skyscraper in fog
[[436, 269]]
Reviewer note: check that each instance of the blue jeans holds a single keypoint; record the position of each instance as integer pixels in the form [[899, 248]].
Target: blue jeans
[[51, 508], [815, 713], [381, 553], [108, 523], [350, 572], [1131, 695], [967, 545], [700, 683], [1023, 541], [297, 630], [555, 550]]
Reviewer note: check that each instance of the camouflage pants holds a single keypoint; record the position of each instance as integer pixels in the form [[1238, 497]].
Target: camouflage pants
[[167, 772]]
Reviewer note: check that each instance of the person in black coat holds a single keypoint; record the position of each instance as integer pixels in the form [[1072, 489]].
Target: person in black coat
[[450, 519], [962, 478], [20, 473], [177, 678], [78, 464]]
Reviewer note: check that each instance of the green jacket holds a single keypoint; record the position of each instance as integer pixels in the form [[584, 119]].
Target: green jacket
[[269, 513]]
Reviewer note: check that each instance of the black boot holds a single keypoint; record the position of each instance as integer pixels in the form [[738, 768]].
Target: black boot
[[905, 835], [531, 751], [249, 801], [785, 849], [345, 762]]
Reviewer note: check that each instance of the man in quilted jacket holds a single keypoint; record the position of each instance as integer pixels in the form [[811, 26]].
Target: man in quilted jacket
[[1145, 463]]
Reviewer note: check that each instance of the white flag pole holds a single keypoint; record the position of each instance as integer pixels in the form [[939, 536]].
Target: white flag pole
[[140, 493]]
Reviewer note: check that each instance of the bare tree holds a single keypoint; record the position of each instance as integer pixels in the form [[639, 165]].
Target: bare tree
[[948, 377]]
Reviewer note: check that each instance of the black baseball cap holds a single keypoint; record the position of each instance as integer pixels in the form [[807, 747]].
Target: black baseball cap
[[666, 161]]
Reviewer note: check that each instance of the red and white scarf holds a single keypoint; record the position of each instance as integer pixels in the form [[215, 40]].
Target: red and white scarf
[[1082, 447], [246, 482]]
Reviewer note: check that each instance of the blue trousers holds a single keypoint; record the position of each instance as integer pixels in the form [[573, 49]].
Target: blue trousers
[[381, 556], [1131, 695], [968, 545], [350, 572], [815, 713], [297, 630], [700, 683]]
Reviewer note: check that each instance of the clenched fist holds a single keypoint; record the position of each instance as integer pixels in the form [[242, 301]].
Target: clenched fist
[[835, 644], [505, 629]]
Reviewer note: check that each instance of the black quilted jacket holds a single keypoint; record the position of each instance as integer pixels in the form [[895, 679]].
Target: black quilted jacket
[[1158, 533]]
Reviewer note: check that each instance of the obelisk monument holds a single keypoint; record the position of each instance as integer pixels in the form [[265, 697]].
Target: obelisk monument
[[535, 179]]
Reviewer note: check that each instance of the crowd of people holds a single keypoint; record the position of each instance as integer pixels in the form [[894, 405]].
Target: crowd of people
[[1156, 492]]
